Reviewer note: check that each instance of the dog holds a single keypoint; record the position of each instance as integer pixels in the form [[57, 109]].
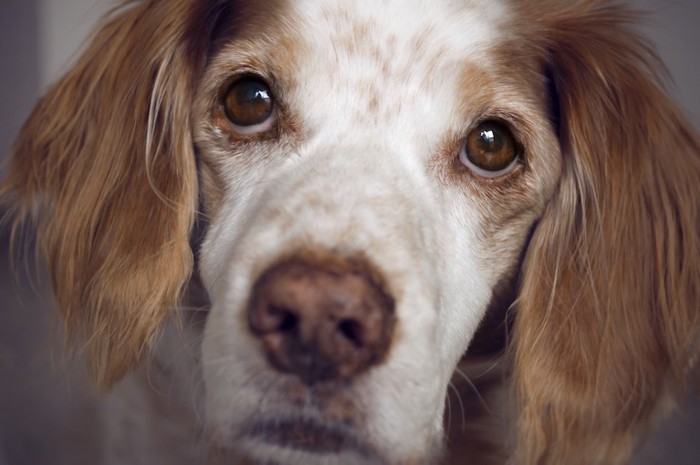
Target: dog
[[281, 230]]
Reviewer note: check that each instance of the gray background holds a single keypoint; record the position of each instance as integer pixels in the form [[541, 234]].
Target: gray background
[[37, 40]]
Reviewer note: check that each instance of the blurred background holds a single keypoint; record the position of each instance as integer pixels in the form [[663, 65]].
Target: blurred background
[[40, 411]]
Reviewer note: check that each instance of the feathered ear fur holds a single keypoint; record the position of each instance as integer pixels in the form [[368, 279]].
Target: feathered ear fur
[[105, 167], [607, 320]]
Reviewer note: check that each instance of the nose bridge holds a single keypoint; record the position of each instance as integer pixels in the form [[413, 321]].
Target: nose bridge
[[351, 171], [349, 191]]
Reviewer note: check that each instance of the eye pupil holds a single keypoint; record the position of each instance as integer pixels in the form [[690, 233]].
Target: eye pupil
[[252, 95], [248, 102], [489, 141]]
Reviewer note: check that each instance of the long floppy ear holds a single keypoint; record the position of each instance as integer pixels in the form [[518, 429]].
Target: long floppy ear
[[607, 320], [105, 167]]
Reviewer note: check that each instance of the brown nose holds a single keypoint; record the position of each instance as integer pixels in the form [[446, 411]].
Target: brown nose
[[322, 320]]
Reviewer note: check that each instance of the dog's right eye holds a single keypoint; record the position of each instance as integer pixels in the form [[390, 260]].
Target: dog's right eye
[[249, 105]]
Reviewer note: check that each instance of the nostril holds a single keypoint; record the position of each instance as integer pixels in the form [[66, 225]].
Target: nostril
[[268, 318], [287, 319], [353, 331]]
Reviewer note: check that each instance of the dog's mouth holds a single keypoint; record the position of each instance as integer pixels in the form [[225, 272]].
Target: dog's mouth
[[309, 436]]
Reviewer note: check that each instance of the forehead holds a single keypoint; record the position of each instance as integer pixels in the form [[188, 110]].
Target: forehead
[[401, 22], [402, 36], [409, 40], [441, 26]]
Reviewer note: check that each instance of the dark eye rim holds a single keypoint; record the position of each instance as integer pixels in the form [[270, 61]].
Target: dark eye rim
[[515, 166], [266, 124]]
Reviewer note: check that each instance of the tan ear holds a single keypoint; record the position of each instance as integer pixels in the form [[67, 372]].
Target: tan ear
[[105, 167], [607, 316]]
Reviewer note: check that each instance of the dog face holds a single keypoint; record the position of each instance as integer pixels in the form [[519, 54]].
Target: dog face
[[368, 176], [362, 153]]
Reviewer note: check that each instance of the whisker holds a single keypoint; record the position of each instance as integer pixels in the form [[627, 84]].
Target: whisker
[[448, 406], [476, 391], [461, 406], [201, 308], [487, 370]]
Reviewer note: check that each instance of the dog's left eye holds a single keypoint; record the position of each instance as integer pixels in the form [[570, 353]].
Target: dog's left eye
[[490, 150], [249, 105]]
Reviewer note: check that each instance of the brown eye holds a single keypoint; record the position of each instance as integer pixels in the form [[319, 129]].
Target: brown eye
[[248, 104], [490, 150]]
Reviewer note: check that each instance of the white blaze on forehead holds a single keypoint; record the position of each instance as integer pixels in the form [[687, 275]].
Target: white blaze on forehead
[[397, 62]]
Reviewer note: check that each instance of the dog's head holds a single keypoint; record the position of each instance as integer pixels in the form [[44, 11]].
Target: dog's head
[[369, 174]]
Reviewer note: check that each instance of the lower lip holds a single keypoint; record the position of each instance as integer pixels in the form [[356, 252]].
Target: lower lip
[[307, 436]]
